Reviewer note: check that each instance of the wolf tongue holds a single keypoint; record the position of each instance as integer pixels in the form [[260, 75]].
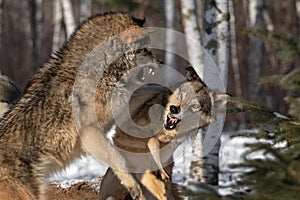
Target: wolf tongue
[[172, 120]]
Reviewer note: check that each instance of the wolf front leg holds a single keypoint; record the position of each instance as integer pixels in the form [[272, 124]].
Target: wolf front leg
[[12, 189], [95, 142], [153, 145], [153, 184]]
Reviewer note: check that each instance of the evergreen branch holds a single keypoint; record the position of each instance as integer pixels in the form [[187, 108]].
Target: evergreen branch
[[288, 48], [288, 81], [286, 186], [291, 80], [198, 189], [246, 106], [274, 79]]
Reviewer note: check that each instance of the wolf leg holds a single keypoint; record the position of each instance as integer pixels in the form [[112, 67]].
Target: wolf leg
[[153, 184], [111, 187], [13, 190], [95, 142], [153, 145]]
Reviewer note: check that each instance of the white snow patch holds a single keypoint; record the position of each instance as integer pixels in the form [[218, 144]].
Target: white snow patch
[[85, 168], [280, 115]]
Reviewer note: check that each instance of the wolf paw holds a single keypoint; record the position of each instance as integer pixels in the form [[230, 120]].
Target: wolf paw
[[136, 193]]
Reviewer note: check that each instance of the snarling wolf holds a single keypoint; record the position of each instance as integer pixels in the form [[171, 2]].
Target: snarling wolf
[[39, 136], [187, 109]]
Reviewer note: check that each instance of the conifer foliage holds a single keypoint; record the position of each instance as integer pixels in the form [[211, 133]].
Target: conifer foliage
[[275, 174]]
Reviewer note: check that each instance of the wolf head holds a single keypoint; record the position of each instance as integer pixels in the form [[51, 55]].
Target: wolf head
[[189, 106]]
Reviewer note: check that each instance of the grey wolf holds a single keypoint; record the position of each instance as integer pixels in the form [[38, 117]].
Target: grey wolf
[[190, 101], [38, 135]]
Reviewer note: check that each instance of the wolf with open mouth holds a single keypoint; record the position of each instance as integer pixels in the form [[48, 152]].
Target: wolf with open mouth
[[189, 107], [186, 110]]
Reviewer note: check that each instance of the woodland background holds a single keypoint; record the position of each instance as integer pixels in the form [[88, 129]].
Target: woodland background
[[31, 29], [258, 41]]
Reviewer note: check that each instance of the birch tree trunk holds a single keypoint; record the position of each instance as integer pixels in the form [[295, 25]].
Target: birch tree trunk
[[85, 9], [193, 36], [256, 55], [196, 169], [216, 42], [196, 58], [170, 39], [223, 34], [68, 16], [63, 12]]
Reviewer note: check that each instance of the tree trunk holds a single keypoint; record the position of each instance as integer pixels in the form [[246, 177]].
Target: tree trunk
[[223, 38], [238, 118], [270, 27], [1, 10], [217, 44], [63, 12], [141, 9], [68, 16], [170, 39], [234, 58], [193, 36], [298, 13], [26, 21], [256, 55], [85, 9], [36, 26], [196, 169], [196, 58], [57, 18]]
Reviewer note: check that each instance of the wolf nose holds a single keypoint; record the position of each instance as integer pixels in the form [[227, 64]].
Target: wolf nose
[[174, 109]]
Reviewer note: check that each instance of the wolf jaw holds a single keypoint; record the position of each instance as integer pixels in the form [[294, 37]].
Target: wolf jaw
[[171, 122]]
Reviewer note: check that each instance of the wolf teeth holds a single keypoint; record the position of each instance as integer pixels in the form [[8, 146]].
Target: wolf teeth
[[151, 71]]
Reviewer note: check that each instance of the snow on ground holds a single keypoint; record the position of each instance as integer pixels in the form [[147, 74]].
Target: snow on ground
[[230, 153], [88, 168]]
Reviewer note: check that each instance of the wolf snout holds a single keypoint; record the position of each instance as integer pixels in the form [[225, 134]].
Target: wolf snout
[[171, 122], [174, 109]]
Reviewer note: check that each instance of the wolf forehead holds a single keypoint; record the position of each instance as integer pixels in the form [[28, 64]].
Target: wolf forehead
[[195, 94], [204, 98]]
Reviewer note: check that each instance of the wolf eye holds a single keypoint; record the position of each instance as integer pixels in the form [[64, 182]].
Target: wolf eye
[[195, 107]]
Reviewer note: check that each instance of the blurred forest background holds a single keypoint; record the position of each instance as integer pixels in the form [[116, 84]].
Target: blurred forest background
[[31, 29], [29, 32]]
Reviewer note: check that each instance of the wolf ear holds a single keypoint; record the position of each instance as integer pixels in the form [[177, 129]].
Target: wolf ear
[[191, 74], [138, 21]]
